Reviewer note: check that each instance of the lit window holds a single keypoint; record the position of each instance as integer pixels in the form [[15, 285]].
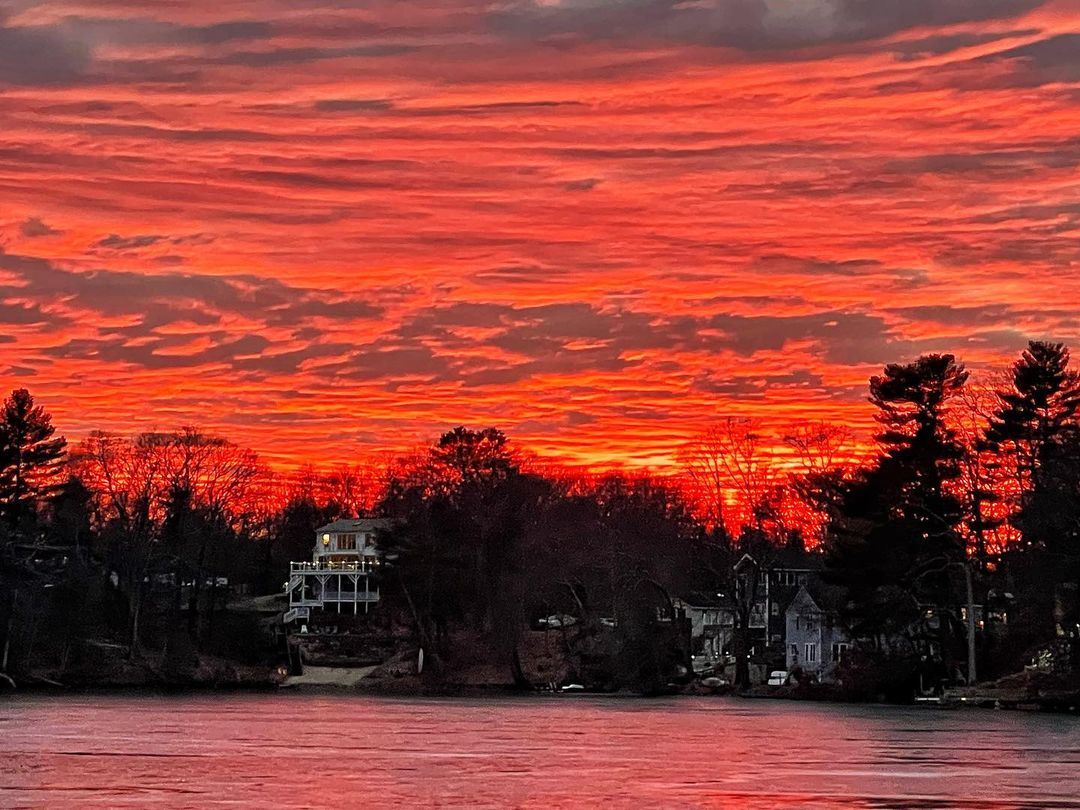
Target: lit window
[[326, 539]]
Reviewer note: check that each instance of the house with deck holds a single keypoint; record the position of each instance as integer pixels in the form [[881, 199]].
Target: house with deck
[[341, 575]]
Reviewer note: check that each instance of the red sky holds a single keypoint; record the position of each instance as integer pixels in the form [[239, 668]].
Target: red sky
[[326, 228]]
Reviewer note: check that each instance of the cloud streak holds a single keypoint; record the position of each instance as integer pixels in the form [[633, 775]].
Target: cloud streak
[[596, 224]]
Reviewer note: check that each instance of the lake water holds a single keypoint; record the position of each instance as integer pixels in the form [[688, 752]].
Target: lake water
[[295, 750]]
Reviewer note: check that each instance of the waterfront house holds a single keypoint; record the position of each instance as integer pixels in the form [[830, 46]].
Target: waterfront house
[[770, 587], [341, 573], [816, 639]]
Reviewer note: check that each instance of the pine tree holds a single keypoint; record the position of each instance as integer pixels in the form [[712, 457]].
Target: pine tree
[[30, 459], [1037, 423], [897, 531], [1035, 413]]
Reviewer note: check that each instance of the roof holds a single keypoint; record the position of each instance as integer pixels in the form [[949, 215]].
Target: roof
[[745, 560], [784, 595], [826, 598], [354, 525], [702, 599]]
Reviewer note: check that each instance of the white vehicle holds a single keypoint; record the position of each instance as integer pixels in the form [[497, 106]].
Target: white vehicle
[[557, 620], [778, 677]]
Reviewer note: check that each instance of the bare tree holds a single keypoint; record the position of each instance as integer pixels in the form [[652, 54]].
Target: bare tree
[[125, 477], [135, 482], [990, 479], [355, 489], [820, 447], [732, 471], [823, 457]]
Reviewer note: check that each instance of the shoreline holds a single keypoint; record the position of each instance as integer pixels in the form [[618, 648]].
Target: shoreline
[[1035, 704]]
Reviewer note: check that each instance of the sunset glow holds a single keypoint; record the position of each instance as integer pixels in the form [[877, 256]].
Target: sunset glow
[[327, 230]]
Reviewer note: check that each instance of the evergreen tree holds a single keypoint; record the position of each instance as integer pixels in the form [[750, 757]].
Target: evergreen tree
[[30, 459], [1039, 409], [1038, 422], [897, 528]]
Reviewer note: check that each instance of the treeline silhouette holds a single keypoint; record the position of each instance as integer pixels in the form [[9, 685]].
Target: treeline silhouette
[[967, 500]]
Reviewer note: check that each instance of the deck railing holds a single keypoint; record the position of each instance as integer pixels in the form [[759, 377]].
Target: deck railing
[[347, 596], [331, 566]]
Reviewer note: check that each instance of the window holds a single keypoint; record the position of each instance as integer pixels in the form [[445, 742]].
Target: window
[[794, 652], [326, 539], [775, 609], [346, 542], [811, 653], [838, 651]]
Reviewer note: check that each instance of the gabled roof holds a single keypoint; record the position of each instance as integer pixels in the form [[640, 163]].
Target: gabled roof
[[784, 595], [354, 525], [745, 560], [821, 597]]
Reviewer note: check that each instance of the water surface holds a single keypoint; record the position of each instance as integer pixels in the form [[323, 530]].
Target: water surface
[[294, 750]]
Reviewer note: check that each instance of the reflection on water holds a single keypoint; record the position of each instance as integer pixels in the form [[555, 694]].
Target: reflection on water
[[290, 750]]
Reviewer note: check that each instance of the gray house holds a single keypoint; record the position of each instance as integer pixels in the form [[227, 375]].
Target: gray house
[[816, 640]]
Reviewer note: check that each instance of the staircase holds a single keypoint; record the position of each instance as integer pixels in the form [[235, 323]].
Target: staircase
[[296, 613]]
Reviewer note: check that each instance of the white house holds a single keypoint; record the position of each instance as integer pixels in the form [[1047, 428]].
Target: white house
[[339, 576]]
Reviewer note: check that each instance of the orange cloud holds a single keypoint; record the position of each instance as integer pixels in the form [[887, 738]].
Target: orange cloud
[[597, 226]]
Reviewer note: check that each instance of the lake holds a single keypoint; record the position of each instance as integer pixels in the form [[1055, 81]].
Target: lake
[[304, 750]]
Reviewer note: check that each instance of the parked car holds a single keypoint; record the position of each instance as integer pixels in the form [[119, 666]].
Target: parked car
[[778, 677], [556, 620]]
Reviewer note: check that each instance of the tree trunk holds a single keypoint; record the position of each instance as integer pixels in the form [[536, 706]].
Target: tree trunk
[[971, 671], [136, 610], [741, 648], [10, 628]]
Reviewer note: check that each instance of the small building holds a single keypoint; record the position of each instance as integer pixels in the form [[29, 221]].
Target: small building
[[712, 625], [341, 573], [816, 640]]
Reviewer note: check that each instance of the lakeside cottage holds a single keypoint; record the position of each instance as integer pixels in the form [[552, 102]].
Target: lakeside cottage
[[340, 575]]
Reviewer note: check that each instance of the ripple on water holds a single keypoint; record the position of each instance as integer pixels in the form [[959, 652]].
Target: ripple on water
[[288, 751]]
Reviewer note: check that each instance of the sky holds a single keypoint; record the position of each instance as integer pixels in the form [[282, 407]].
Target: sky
[[328, 229]]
